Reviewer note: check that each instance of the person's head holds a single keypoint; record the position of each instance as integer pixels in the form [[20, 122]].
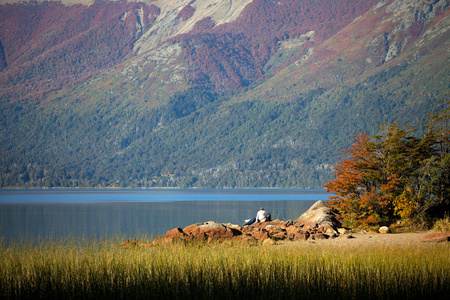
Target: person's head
[[261, 208]]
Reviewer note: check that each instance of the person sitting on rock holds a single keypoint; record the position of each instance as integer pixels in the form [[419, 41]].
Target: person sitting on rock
[[261, 216]]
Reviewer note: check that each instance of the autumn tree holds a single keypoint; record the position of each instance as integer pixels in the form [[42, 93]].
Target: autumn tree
[[363, 187], [395, 174]]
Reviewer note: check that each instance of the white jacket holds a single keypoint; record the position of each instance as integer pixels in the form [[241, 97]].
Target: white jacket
[[262, 214]]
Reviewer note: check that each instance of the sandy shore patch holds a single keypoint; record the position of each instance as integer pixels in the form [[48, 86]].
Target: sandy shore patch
[[368, 240]]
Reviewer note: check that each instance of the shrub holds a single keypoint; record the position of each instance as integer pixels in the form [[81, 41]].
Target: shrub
[[442, 225]]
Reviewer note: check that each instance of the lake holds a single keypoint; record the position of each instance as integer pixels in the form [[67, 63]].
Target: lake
[[30, 214]]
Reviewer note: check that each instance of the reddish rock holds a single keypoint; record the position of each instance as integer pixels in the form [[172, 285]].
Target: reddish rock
[[190, 228], [437, 237], [272, 227], [248, 229], [210, 231], [279, 236], [199, 235], [175, 233], [260, 235], [318, 222], [218, 233], [276, 232], [298, 236], [293, 230]]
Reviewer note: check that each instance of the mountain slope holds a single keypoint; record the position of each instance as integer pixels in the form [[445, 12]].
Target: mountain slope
[[48, 46], [264, 95]]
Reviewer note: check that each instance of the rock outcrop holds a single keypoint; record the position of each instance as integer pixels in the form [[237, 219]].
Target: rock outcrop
[[321, 217], [318, 223]]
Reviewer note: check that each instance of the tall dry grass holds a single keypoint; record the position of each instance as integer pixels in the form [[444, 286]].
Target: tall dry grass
[[83, 269]]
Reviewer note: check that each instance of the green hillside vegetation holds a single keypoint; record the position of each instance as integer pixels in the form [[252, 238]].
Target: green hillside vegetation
[[202, 139], [163, 119]]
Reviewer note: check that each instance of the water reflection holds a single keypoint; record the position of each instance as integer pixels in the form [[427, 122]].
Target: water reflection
[[38, 218]]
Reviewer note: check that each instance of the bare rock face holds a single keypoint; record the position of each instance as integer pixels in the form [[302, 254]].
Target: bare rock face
[[319, 216]]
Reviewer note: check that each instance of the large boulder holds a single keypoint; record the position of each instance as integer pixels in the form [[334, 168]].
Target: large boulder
[[384, 230], [175, 233], [318, 216], [210, 230]]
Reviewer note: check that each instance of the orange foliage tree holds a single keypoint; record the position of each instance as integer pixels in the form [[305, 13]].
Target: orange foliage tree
[[395, 175], [363, 191]]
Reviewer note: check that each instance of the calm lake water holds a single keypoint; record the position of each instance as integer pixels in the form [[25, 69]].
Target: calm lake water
[[30, 214]]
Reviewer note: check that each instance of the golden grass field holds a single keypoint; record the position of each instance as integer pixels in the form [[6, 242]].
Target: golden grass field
[[370, 266]]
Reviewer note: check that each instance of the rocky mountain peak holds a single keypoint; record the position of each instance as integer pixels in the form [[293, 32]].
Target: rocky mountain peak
[[169, 24]]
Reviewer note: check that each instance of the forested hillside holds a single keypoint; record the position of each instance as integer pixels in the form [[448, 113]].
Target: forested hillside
[[48, 46], [235, 54], [164, 94]]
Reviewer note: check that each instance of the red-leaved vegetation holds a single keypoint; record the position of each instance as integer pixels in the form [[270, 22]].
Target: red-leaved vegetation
[[186, 12], [48, 45], [233, 55]]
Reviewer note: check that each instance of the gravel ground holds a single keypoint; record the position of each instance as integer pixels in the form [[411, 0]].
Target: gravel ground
[[368, 240]]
